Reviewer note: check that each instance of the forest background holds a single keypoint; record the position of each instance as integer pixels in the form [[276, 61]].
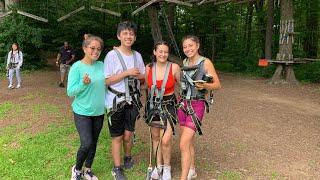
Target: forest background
[[233, 35]]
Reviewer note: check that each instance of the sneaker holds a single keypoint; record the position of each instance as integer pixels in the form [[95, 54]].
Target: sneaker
[[156, 173], [166, 172], [18, 86], [10, 86], [75, 175], [61, 85], [128, 162], [117, 174], [89, 175], [192, 173]]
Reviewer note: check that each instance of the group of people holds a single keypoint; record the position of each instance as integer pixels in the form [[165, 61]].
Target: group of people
[[112, 87]]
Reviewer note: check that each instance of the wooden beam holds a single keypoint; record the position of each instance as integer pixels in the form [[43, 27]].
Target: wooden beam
[[142, 7], [5, 14], [106, 11], [222, 2], [71, 13], [201, 2], [32, 16], [180, 2], [243, 1], [118, 3], [216, 2], [305, 59]]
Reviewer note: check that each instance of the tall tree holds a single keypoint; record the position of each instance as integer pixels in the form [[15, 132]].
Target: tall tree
[[285, 47], [171, 10], [261, 22], [269, 30], [248, 28], [154, 22]]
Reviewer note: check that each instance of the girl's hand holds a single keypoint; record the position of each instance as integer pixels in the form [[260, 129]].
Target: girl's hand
[[86, 79], [200, 86]]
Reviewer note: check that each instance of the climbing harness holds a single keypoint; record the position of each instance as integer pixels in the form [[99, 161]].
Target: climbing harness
[[189, 93]]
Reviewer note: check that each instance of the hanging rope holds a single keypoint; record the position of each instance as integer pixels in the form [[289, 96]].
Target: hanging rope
[[169, 30]]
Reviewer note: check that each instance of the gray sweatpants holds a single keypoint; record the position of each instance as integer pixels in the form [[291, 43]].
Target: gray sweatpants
[[11, 73]]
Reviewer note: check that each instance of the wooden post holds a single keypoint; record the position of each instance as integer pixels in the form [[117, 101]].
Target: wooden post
[[284, 71]]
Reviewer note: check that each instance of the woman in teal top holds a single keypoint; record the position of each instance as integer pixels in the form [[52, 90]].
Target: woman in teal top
[[86, 83]]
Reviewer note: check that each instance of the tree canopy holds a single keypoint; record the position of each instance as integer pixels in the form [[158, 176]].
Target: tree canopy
[[231, 33]]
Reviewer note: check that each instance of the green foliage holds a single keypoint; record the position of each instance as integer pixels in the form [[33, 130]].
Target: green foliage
[[29, 38], [308, 72]]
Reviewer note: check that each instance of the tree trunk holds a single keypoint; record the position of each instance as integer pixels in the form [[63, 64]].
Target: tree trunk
[[2, 8], [248, 28], [269, 30], [154, 22], [171, 10], [261, 23], [310, 44], [9, 3], [285, 46]]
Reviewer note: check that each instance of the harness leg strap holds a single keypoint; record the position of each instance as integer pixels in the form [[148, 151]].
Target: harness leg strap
[[194, 117]]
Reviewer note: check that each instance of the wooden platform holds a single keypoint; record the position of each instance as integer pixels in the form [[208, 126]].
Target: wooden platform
[[291, 62]]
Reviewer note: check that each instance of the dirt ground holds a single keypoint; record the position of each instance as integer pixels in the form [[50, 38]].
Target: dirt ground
[[253, 131]]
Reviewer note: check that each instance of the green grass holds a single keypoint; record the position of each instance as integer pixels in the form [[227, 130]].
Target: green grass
[[51, 153], [230, 175], [5, 107], [274, 175]]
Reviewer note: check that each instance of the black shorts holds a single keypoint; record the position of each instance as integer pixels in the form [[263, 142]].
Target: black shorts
[[170, 110], [124, 119]]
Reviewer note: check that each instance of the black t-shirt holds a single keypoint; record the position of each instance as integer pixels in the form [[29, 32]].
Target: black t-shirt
[[66, 54]]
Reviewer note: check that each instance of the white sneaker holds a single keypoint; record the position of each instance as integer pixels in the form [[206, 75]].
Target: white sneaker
[[166, 172], [89, 175], [156, 172], [10, 86], [18, 86], [75, 175], [192, 174]]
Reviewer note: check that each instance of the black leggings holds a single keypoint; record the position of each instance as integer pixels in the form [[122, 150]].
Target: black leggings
[[89, 128]]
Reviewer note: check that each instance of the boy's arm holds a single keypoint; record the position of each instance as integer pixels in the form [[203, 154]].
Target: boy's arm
[[116, 78]]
